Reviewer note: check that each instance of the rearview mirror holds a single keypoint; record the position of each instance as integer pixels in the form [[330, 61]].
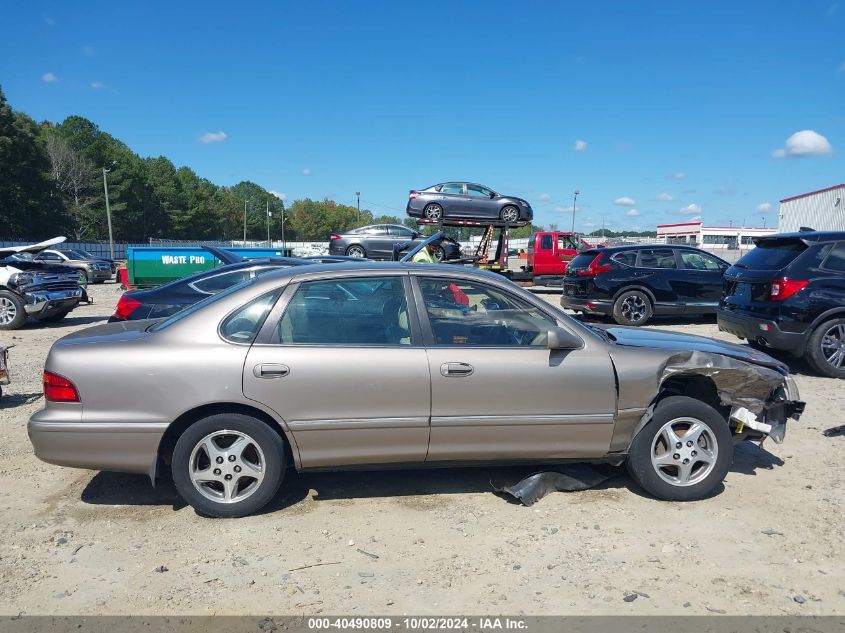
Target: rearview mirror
[[560, 338]]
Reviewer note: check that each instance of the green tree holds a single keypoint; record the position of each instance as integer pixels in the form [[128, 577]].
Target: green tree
[[29, 204]]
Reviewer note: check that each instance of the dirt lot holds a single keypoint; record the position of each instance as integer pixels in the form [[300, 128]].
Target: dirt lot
[[80, 542]]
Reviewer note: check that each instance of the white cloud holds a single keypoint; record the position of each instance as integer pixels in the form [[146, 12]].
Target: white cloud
[[625, 201], [306, 172], [213, 137], [98, 85], [562, 209], [665, 197], [802, 144], [544, 197], [89, 51], [589, 223], [279, 195], [49, 77], [697, 218], [764, 207], [632, 213], [679, 175], [690, 209], [580, 145]]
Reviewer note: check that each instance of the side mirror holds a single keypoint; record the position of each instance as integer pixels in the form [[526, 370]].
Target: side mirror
[[559, 338], [415, 235], [492, 195]]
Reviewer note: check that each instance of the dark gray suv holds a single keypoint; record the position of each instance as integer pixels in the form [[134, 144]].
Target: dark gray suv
[[377, 240], [469, 201]]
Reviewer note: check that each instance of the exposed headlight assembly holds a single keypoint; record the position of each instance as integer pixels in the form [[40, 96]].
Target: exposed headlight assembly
[[19, 280]]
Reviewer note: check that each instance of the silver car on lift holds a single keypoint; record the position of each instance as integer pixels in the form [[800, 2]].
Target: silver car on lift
[[396, 364]]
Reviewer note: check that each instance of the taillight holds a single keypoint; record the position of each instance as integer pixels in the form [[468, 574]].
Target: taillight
[[594, 268], [59, 389], [334, 236], [126, 306], [413, 194], [785, 288]]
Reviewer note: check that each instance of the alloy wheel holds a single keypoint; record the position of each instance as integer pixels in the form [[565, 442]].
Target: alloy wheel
[[510, 214], [684, 451], [434, 212], [832, 344], [227, 466], [634, 308], [355, 251], [8, 311]]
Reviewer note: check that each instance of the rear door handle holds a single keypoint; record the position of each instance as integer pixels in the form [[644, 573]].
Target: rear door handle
[[270, 370], [455, 370]]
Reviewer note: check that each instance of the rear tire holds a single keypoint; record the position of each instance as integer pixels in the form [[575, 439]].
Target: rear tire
[[206, 455], [632, 308], [826, 349], [681, 473], [12, 311], [356, 250], [433, 211], [439, 254]]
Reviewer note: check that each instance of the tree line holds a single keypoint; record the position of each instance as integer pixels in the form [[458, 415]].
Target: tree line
[[51, 183]]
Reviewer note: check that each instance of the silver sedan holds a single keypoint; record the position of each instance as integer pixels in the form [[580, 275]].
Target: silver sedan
[[367, 364]]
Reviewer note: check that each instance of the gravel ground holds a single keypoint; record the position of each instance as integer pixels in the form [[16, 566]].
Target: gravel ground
[[424, 542]]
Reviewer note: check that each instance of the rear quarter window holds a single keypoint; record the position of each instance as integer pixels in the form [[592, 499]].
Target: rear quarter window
[[628, 258], [836, 259]]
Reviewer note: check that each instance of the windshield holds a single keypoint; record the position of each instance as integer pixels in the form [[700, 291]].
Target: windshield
[[186, 312], [772, 254]]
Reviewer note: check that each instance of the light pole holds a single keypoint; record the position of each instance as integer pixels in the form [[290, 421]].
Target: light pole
[[574, 200], [245, 202], [108, 209], [269, 213], [284, 244], [358, 195]]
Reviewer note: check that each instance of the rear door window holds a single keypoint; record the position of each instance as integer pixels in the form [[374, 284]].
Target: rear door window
[[772, 254], [453, 188], [657, 258], [355, 311]]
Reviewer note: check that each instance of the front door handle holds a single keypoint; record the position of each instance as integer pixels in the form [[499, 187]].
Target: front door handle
[[455, 370], [270, 370]]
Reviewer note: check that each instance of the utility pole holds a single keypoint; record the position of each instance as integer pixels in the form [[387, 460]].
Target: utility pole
[[574, 200], [268, 223], [284, 243], [245, 201], [358, 195], [108, 210]]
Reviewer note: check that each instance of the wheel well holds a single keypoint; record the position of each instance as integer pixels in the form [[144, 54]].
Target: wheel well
[[693, 386], [181, 424], [836, 313], [642, 289]]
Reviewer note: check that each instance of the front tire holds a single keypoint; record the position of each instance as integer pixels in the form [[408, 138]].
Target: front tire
[[509, 214], [228, 465], [12, 311], [684, 452], [632, 308], [356, 250], [826, 349]]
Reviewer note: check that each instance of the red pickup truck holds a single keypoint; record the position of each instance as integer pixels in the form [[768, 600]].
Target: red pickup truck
[[549, 252]]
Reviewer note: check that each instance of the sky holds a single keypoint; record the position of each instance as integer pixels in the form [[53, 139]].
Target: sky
[[657, 112]]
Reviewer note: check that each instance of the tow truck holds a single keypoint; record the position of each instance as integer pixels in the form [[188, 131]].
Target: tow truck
[[548, 252]]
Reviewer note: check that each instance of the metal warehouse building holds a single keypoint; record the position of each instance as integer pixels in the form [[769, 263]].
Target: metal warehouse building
[[711, 237], [823, 210]]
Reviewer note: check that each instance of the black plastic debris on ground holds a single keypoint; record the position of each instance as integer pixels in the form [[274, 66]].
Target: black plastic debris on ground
[[567, 478], [834, 431]]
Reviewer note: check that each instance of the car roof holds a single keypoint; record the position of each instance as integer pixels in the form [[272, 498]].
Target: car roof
[[805, 236]]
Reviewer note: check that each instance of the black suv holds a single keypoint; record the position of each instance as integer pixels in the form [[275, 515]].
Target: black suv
[[789, 294], [633, 283]]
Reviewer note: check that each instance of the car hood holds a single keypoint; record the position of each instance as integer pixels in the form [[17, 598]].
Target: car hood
[[660, 339]]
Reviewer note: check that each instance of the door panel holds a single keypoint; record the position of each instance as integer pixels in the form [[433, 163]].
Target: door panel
[[347, 405], [340, 367], [521, 404], [497, 391]]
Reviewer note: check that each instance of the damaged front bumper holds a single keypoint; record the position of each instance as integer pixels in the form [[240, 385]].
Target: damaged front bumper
[[762, 398]]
